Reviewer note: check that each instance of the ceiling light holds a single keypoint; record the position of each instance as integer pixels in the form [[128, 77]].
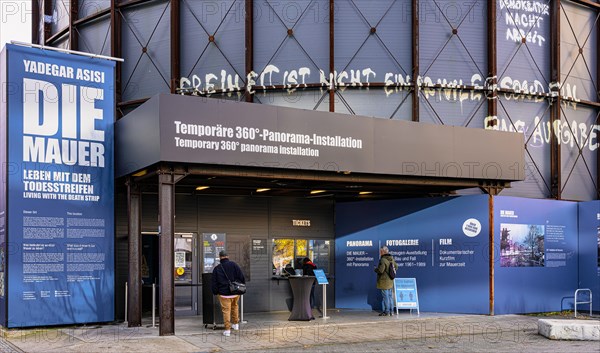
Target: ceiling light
[[262, 190], [140, 173], [316, 192], [365, 192], [202, 188]]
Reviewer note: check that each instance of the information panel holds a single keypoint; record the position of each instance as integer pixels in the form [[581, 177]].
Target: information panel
[[406, 293], [213, 243], [60, 188], [321, 278], [535, 240], [441, 242]]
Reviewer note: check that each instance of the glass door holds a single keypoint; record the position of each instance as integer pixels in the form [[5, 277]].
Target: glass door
[[186, 274]]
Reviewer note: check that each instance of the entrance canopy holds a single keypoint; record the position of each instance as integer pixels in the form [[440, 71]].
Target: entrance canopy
[[229, 137]]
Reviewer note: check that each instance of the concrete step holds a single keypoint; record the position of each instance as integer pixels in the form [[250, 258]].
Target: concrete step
[[574, 330]]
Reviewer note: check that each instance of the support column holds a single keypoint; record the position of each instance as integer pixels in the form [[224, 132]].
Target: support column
[[116, 49], [166, 202], [491, 251], [332, 52], [73, 16], [35, 21], [134, 279], [597, 99], [415, 59], [175, 45], [492, 62], [249, 7], [555, 116], [47, 24]]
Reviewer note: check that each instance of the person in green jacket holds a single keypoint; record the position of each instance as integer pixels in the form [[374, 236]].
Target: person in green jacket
[[384, 282]]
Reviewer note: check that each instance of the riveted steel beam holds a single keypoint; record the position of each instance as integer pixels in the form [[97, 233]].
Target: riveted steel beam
[[249, 41], [555, 115], [415, 59], [73, 34], [175, 44], [332, 53], [134, 279], [166, 202]]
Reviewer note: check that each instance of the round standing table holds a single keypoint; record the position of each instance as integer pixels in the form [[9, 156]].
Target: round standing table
[[301, 310]]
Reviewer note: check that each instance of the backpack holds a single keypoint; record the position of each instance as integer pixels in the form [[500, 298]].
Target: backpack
[[392, 270]]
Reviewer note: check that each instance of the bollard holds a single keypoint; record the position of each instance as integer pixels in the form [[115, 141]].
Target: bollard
[[153, 305], [126, 318], [242, 310]]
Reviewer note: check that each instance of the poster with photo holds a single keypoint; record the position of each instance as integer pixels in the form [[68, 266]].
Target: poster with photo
[[521, 245]]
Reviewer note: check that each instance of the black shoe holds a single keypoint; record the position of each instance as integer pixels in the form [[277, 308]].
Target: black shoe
[[383, 314], [391, 313]]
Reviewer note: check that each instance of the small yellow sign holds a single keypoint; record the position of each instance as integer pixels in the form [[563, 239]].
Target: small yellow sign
[[180, 271]]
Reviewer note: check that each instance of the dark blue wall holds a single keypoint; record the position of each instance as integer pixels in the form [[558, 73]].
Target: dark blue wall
[[525, 282], [589, 250], [461, 285]]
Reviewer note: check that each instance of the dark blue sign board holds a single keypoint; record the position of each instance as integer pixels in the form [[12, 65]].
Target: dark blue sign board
[[321, 278], [442, 242], [60, 191], [535, 240], [405, 290]]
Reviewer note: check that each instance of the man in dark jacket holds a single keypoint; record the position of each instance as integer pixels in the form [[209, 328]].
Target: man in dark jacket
[[384, 281], [222, 274]]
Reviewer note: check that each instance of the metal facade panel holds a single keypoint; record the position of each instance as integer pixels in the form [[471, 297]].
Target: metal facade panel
[[310, 99], [533, 120], [456, 107], [578, 70], [225, 21], [373, 35], [390, 103], [60, 15], [523, 66], [95, 36], [277, 53], [449, 58], [578, 147], [91, 7], [146, 44]]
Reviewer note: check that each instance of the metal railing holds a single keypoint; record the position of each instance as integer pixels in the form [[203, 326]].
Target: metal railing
[[585, 302]]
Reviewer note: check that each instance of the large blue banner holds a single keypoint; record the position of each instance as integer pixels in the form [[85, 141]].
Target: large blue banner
[[442, 242], [3, 84], [589, 250], [60, 188], [536, 254]]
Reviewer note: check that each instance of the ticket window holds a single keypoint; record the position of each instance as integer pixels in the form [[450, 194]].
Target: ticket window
[[292, 251]]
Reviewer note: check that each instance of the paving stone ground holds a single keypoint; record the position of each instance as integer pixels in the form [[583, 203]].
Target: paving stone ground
[[346, 331]]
